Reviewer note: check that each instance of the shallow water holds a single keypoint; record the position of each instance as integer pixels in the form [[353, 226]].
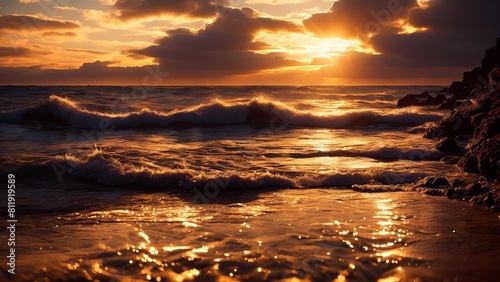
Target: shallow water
[[233, 183], [288, 235]]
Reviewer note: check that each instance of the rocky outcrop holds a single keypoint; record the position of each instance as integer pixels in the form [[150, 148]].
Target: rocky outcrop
[[422, 99], [483, 158], [459, 123], [477, 77], [484, 154], [479, 121], [450, 147]]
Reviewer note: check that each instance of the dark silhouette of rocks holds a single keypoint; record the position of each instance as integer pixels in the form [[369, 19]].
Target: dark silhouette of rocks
[[477, 77], [479, 121], [412, 99], [483, 158], [459, 123], [431, 182], [422, 99], [449, 146], [449, 104]]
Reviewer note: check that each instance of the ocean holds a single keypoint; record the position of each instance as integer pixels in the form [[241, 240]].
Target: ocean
[[254, 183]]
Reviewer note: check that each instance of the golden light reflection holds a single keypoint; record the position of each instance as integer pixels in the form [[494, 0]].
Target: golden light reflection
[[389, 235]]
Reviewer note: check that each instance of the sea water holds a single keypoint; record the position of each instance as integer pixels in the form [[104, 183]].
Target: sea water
[[233, 183]]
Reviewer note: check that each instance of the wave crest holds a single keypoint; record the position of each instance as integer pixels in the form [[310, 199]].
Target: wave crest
[[96, 167], [258, 112]]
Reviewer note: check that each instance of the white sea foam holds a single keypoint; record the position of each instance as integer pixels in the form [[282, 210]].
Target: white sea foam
[[264, 112]]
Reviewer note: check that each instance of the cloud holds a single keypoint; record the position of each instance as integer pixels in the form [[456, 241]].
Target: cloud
[[33, 1], [357, 19], [276, 2], [59, 34], [225, 47], [97, 73], [17, 22], [457, 33], [448, 37], [132, 9], [20, 52]]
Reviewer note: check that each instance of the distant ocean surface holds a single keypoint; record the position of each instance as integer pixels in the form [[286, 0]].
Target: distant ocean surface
[[253, 183]]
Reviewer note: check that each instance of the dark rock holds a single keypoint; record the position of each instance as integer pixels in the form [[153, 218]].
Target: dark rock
[[483, 158], [433, 101], [494, 77], [431, 182], [456, 87], [412, 99], [488, 199], [450, 192], [457, 124], [491, 58], [462, 138], [449, 146], [434, 192], [407, 101], [422, 99], [473, 189], [462, 94], [478, 118], [429, 101], [458, 182], [440, 182], [489, 126], [448, 104], [427, 182], [469, 163], [451, 159], [440, 98], [475, 77]]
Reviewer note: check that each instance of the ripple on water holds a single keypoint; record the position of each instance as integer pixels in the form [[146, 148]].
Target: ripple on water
[[304, 235]]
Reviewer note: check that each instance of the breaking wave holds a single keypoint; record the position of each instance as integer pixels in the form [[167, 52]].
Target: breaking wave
[[259, 111], [96, 167]]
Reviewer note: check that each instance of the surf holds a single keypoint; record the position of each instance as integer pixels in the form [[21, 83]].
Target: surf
[[260, 112]]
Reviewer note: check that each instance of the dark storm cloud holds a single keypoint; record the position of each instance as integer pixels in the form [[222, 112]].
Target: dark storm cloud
[[367, 69], [458, 33], [225, 47], [357, 18], [33, 23], [20, 52], [59, 34], [129, 9], [97, 73]]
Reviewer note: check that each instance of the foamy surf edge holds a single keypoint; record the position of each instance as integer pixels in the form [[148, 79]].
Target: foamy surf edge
[[258, 111]]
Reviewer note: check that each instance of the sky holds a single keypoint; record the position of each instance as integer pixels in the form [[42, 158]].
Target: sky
[[243, 42]]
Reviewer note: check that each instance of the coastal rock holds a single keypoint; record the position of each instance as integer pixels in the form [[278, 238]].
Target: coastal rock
[[458, 182], [477, 119], [422, 99], [473, 189], [491, 58], [488, 199], [449, 146], [448, 104], [480, 119], [431, 182], [457, 124], [489, 126], [450, 159], [412, 99], [483, 158], [455, 87]]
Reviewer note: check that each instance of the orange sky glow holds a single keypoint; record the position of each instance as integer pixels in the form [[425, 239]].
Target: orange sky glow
[[223, 42]]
